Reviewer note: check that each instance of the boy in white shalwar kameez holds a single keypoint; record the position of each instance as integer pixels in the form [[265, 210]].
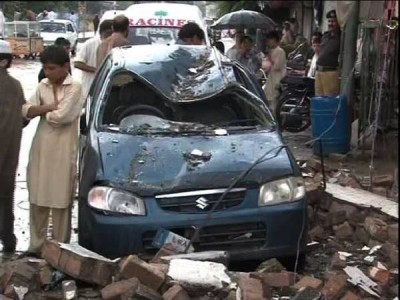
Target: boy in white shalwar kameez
[[52, 161]]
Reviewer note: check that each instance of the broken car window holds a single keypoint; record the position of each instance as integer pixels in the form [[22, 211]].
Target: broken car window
[[136, 107]]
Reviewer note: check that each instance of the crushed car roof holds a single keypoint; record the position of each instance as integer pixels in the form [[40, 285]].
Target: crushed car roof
[[181, 73]]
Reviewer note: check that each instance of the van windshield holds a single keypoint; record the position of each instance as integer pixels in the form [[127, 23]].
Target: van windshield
[[152, 35], [52, 27]]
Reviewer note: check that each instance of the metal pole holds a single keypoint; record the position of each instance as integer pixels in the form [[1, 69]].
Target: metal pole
[[349, 58]]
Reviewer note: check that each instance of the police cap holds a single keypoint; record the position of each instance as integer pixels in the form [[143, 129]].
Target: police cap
[[331, 14]]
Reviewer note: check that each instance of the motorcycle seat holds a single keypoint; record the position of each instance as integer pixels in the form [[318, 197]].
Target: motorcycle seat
[[297, 81]]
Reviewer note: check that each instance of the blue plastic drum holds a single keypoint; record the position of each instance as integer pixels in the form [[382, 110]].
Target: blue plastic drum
[[330, 122]]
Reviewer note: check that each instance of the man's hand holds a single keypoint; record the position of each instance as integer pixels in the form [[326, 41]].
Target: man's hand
[[51, 107]]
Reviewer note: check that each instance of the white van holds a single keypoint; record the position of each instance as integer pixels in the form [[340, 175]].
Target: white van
[[109, 15], [159, 23]]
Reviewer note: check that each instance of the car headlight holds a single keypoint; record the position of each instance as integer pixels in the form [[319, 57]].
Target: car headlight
[[281, 191], [109, 199]]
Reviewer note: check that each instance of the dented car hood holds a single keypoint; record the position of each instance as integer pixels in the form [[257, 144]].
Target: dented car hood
[[148, 165]]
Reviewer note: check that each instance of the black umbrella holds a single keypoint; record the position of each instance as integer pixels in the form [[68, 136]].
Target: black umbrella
[[244, 19]]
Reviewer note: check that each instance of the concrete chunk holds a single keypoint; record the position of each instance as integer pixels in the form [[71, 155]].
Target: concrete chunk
[[195, 275], [221, 257]]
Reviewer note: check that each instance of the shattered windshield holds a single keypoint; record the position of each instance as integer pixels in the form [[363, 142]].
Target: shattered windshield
[[181, 73], [136, 107]]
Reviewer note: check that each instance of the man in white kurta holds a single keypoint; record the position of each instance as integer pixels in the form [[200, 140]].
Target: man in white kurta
[[277, 59], [52, 161], [87, 55]]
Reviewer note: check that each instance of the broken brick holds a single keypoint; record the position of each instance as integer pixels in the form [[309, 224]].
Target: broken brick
[[308, 281], [377, 229], [143, 292], [343, 231], [133, 266], [20, 273], [9, 292], [45, 274], [379, 275], [392, 253], [314, 192], [251, 288], [362, 235], [306, 293], [176, 292], [51, 252], [315, 164], [166, 250], [79, 262], [334, 288], [323, 219], [350, 296], [379, 190], [337, 217], [279, 280], [383, 180], [336, 262], [317, 233], [115, 290], [163, 268], [356, 217], [326, 202]]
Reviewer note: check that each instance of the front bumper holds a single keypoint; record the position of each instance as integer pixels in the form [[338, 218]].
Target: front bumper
[[246, 231]]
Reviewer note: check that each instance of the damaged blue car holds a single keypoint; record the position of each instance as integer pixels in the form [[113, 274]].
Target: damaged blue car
[[180, 138]]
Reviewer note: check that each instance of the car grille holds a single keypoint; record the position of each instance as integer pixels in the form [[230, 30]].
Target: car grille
[[200, 201], [222, 237]]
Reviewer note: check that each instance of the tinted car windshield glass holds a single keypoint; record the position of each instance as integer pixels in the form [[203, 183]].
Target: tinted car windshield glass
[[52, 27], [152, 35]]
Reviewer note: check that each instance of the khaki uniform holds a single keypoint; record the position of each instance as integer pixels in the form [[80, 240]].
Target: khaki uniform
[[11, 100], [327, 83], [51, 170]]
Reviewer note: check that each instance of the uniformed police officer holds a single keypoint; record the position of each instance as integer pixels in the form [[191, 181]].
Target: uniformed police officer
[[327, 81]]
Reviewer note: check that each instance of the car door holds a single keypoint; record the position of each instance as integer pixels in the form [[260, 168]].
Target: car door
[[71, 34], [92, 98]]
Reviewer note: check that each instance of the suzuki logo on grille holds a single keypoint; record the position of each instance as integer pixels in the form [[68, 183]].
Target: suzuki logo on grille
[[202, 203]]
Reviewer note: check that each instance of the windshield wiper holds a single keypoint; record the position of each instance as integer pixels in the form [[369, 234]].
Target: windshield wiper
[[245, 122]]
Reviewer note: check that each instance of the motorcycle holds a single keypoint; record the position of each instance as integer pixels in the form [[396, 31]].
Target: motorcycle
[[293, 108]]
